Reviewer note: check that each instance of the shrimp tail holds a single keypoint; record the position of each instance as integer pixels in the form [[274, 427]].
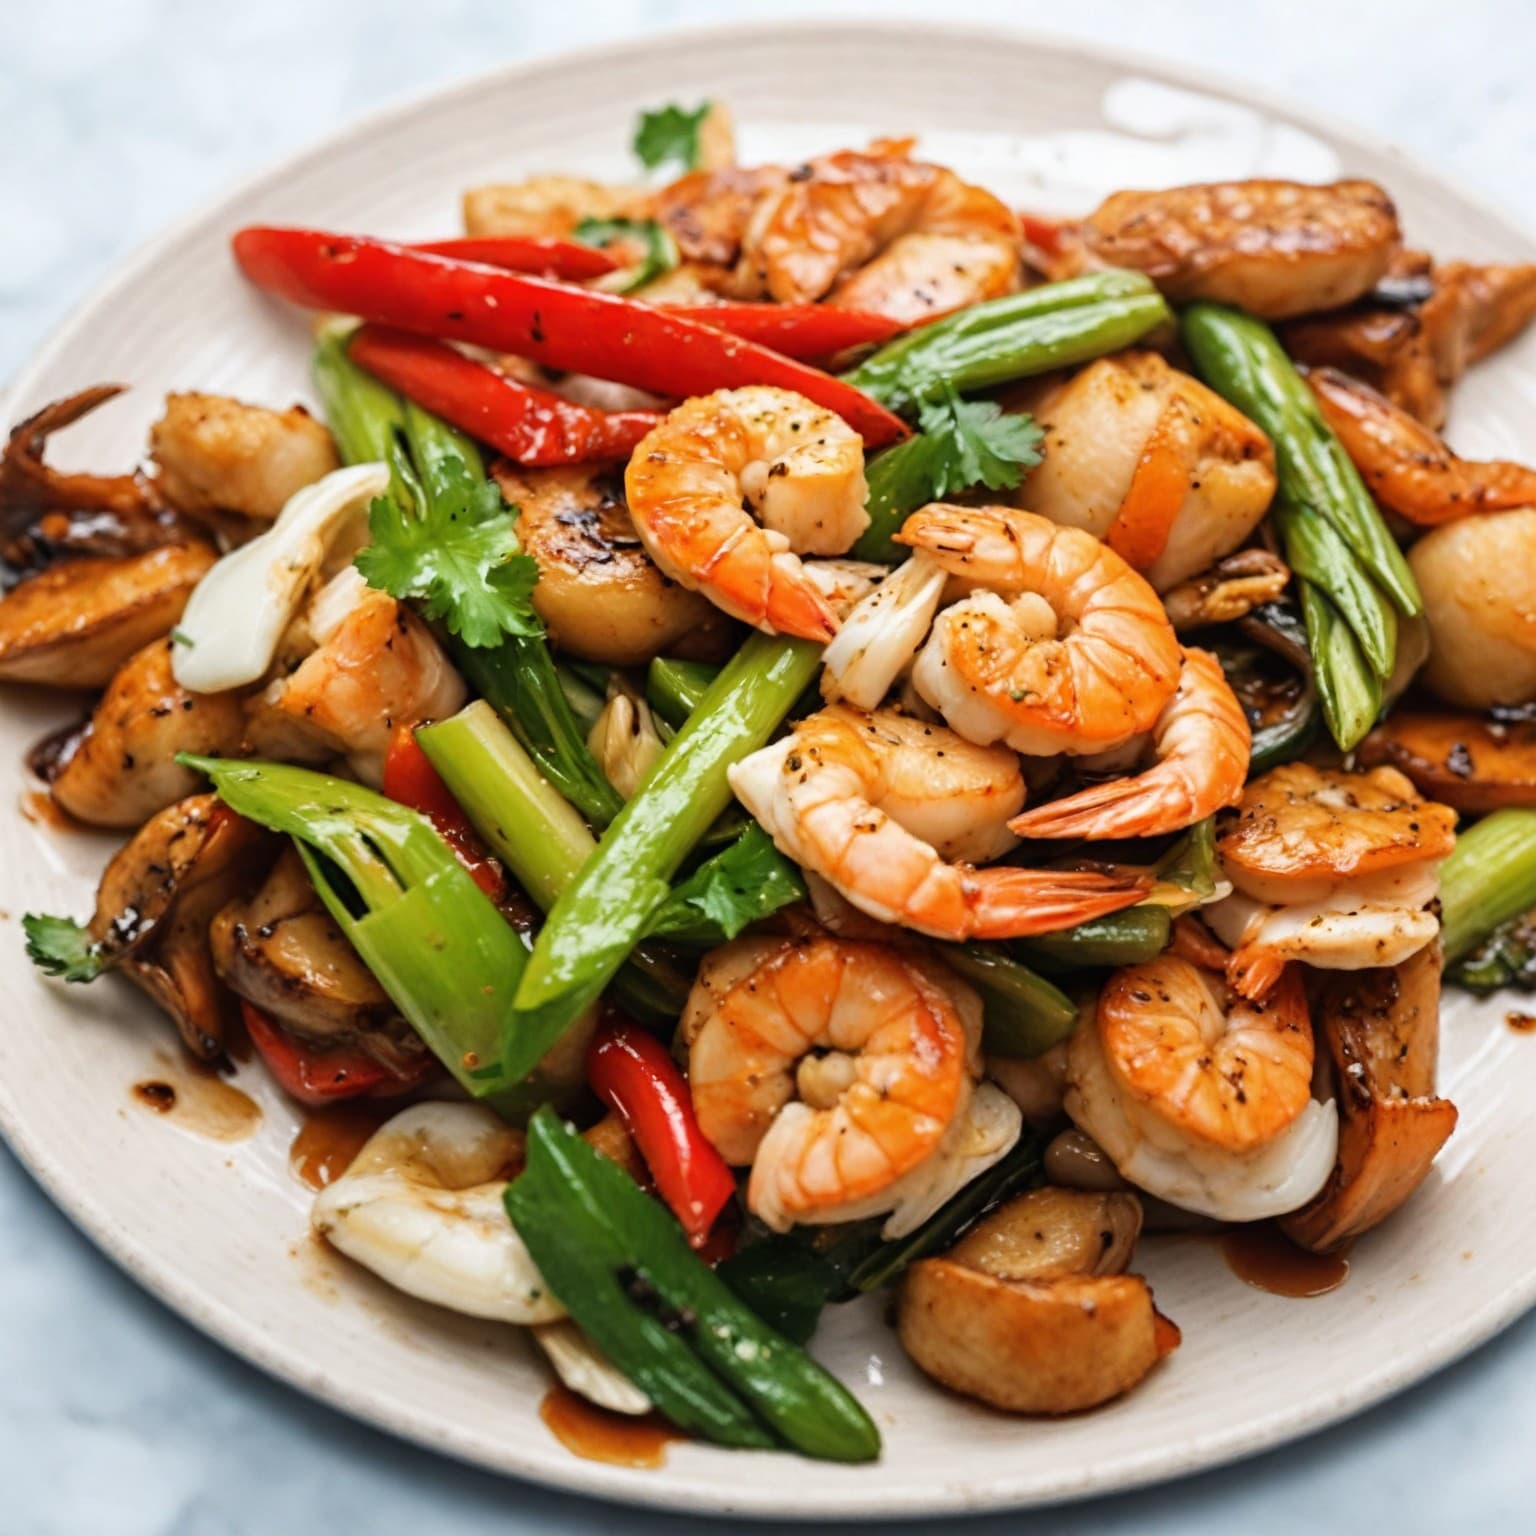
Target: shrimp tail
[[1013, 903], [1253, 972], [1147, 805]]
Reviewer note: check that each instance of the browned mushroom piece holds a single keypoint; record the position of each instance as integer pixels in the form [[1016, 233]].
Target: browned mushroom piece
[[1463, 760], [216, 454], [122, 768], [1229, 590], [1381, 1031], [156, 900], [282, 951], [74, 624], [1031, 1310]]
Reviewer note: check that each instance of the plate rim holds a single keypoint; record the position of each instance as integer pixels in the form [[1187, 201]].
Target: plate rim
[[225, 1324]]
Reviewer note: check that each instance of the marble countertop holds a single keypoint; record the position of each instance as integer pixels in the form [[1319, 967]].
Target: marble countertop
[[118, 1419]]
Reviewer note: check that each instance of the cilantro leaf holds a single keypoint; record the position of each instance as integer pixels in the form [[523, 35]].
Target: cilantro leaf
[[61, 947], [743, 883], [669, 133], [456, 552], [977, 444]]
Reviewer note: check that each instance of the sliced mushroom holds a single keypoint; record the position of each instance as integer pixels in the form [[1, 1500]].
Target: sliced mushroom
[[74, 624], [1230, 590], [156, 899], [123, 767], [1465, 761], [281, 950], [1382, 1032], [1031, 1312], [216, 454]]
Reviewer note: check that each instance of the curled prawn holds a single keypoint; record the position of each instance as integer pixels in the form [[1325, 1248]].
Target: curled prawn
[[1201, 743], [1407, 466], [845, 1073], [1060, 647], [885, 807], [799, 468], [876, 230], [1202, 1100]]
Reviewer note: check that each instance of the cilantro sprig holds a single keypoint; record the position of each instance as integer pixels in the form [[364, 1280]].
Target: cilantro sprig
[[60, 947], [963, 444], [445, 537], [656, 250], [669, 133]]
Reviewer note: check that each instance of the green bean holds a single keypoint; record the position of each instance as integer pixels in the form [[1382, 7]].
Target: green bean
[[1489, 878]]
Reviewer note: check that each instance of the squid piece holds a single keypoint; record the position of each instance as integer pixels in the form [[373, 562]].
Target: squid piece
[[74, 624], [122, 768], [1381, 1029], [1032, 1311]]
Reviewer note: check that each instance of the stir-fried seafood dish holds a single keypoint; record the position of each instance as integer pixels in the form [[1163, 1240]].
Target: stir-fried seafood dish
[[799, 731]]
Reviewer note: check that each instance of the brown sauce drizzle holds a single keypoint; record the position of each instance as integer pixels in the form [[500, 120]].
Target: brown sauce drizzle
[[598, 1434], [42, 810], [330, 1138], [198, 1100], [1521, 1023], [1263, 1256]]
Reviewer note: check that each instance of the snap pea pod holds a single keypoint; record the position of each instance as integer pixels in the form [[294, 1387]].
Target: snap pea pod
[[605, 910], [1053, 326], [900, 481], [1123, 938], [622, 1266], [1024, 1014], [1348, 687]]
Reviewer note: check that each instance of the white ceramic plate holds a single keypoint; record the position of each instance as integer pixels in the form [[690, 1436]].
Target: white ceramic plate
[[218, 1230]]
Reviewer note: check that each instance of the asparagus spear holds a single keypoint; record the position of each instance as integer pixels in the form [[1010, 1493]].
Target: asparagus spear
[[1489, 878]]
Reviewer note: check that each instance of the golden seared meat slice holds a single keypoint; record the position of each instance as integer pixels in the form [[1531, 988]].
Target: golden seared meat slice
[[1032, 1311], [1275, 248], [281, 950], [707, 212], [1475, 310], [122, 768], [1148, 459], [75, 623], [548, 205], [216, 454], [1381, 1030], [1478, 578], [598, 593], [156, 901]]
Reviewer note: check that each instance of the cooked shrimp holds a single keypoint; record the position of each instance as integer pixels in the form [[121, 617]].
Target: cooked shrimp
[[798, 467], [1201, 1102], [218, 454], [1163, 469], [421, 1206], [599, 596], [1336, 869], [1478, 579], [1200, 745], [883, 807], [882, 633], [834, 1068], [375, 664], [1274, 248], [876, 230], [123, 768], [1408, 467], [1064, 649]]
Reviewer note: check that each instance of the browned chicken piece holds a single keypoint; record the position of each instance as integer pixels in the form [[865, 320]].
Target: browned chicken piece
[[1465, 761], [1407, 466], [599, 595], [216, 454], [122, 768], [707, 212], [1475, 310], [1381, 1030], [156, 900], [1386, 348], [281, 950], [548, 205], [74, 624], [1031, 1310], [1275, 248]]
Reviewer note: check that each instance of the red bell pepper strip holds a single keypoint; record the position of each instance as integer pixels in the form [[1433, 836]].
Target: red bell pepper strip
[[629, 1069], [315, 1076], [544, 254], [580, 330], [529, 425], [410, 779], [809, 332]]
